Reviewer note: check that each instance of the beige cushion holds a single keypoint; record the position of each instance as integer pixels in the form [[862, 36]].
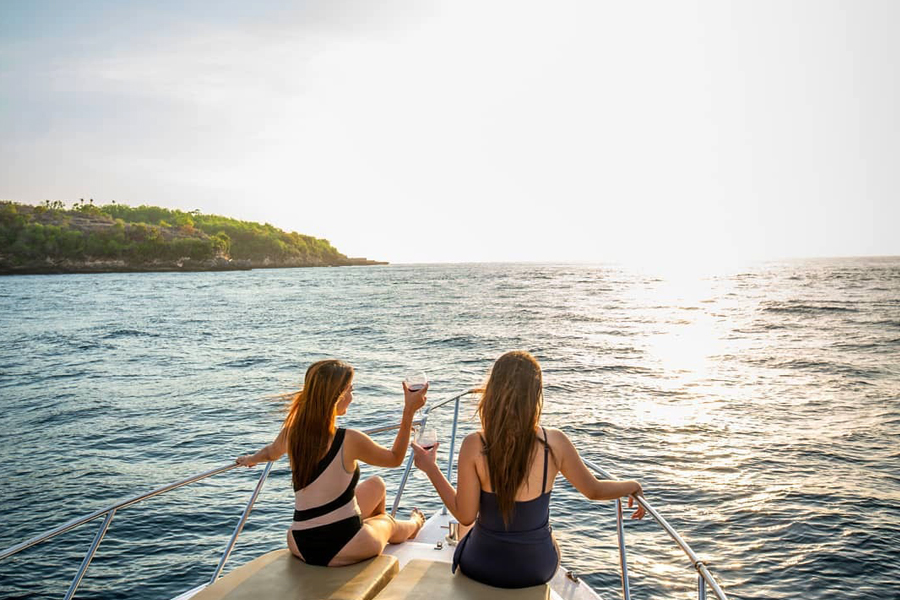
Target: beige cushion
[[280, 575], [430, 580]]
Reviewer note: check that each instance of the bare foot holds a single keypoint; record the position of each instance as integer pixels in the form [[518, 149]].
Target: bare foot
[[418, 517]]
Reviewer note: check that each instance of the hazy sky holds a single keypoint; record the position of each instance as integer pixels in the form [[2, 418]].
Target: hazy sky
[[427, 131]]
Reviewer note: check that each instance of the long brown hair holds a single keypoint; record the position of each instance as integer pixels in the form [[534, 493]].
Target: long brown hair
[[510, 409], [310, 420]]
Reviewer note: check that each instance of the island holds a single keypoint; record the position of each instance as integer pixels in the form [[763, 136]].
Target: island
[[87, 238]]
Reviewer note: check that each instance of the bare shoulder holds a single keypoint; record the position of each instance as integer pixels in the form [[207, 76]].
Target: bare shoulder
[[354, 436], [473, 439], [471, 444], [555, 436], [560, 444]]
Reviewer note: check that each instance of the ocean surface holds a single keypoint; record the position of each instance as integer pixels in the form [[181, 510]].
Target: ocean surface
[[760, 408]]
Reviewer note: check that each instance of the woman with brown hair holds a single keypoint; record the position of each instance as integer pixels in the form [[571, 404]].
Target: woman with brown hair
[[500, 470], [337, 522]]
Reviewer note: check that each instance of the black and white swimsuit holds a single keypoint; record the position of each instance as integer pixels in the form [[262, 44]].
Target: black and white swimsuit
[[326, 514]]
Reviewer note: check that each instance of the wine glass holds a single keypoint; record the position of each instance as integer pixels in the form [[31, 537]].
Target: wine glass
[[416, 381], [427, 438]]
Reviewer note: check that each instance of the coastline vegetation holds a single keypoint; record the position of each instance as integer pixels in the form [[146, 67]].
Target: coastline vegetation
[[50, 237]]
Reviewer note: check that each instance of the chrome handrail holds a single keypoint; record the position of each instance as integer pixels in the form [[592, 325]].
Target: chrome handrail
[[452, 447], [110, 511], [698, 564], [433, 407], [240, 525], [705, 578], [69, 525], [623, 560], [85, 563]]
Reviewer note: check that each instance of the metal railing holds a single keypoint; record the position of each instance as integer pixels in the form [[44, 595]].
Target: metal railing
[[705, 578], [422, 423], [110, 511]]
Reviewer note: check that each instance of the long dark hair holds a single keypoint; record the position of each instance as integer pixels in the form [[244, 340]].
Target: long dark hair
[[510, 409], [310, 420]]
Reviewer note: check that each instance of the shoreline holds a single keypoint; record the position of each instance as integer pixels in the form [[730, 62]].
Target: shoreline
[[182, 266]]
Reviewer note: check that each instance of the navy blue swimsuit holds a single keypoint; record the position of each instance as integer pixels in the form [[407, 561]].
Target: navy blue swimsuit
[[521, 555]]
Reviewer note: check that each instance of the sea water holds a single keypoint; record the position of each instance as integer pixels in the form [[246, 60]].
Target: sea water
[[759, 407]]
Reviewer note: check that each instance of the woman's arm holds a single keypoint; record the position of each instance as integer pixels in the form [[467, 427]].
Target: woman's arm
[[462, 503], [574, 469], [359, 446], [273, 451]]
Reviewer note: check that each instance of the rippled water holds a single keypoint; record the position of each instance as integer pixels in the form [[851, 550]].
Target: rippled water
[[760, 408]]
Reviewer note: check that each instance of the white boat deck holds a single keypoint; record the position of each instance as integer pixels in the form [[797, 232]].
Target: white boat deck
[[425, 546]]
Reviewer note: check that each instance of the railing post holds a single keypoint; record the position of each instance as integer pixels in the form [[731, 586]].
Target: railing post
[[623, 561], [406, 471], [69, 525], [409, 464], [240, 525], [453, 442], [701, 587], [695, 560], [710, 581], [452, 449], [90, 554]]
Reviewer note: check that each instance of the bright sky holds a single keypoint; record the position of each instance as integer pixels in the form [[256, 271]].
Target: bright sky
[[423, 131]]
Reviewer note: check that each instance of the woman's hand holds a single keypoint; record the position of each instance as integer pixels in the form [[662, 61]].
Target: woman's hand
[[414, 400], [245, 461], [425, 459], [638, 491]]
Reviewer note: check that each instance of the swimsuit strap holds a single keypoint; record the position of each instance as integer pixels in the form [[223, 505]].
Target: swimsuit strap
[[546, 455], [336, 446], [546, 452]]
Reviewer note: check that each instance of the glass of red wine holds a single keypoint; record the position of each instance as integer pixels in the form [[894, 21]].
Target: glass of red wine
[[427, 438], [416, 381]]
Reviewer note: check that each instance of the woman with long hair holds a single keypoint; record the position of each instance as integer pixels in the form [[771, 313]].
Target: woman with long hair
[[337, 522], [505, 475]]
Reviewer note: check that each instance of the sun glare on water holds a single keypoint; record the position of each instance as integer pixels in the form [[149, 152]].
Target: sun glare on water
[[685, 336]]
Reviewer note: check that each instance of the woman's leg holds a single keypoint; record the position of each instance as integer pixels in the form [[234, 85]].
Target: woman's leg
[[370, 495], [404, 530], [375, 534]]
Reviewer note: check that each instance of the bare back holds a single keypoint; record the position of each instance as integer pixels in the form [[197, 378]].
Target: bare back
[[531, 487]]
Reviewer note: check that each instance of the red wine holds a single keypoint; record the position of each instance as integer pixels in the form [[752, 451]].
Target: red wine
[[429, 447], [415, 387]]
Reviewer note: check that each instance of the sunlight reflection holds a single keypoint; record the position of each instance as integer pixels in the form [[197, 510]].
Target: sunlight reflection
[[688, 348], [689, 332]]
